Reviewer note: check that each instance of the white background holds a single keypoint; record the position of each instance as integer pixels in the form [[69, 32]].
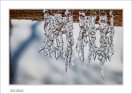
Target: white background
[[125, 5]]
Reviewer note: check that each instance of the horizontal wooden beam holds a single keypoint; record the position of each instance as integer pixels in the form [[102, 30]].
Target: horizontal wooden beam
[[34, 14]]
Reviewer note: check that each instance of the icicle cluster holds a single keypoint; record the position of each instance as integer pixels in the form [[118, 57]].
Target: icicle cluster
[[69, 38], [86, 36], [106, 49], [55, 26]]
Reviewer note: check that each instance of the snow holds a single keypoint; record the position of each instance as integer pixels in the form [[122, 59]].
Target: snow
[[36, 68]]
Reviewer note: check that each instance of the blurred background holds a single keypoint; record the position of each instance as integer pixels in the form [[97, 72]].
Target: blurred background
[[27, 66]]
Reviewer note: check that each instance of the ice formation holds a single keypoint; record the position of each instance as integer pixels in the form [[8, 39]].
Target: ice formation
[[55, 26]]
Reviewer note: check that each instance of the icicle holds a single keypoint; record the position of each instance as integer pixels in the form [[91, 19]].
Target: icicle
[[69, 39], [91, 29], [103, 42], [106, 49], [82, 38]]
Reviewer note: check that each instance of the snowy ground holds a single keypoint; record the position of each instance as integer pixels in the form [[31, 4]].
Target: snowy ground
[[36, 68]]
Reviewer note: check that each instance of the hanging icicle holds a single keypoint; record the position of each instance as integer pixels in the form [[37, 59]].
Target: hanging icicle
[[91, 20], [82, 38], [105, 50], [69, 38], [58, 42]]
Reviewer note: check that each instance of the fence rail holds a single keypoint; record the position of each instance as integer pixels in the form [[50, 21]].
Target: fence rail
[[34, 14]]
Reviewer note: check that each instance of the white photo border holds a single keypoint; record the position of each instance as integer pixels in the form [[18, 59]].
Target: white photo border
[[7, 5]]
